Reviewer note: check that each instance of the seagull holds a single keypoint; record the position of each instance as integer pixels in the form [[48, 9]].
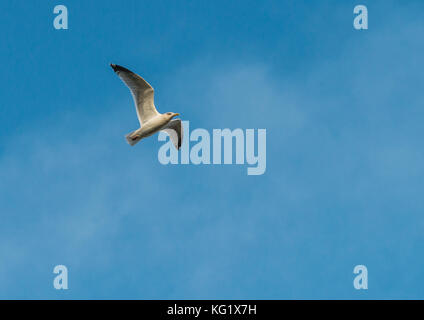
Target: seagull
[[151, 121]]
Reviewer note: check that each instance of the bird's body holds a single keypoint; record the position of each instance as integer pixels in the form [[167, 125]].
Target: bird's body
[[151, 121], [149, 128]]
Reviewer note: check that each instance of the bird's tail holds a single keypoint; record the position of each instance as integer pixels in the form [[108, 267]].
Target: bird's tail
[[133, 138]]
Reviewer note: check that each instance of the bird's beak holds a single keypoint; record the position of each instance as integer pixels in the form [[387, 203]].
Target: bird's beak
[[176, 114]]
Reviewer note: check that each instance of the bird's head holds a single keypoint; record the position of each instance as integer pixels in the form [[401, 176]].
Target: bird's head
[[170, 115]]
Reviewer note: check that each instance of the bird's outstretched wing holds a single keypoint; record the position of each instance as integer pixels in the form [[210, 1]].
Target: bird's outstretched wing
[[141, 91], [175, 130]]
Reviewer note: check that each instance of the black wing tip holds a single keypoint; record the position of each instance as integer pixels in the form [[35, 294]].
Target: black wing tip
[[117, 68]]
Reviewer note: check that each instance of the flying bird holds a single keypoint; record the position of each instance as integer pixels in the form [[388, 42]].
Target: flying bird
[[151, 121]]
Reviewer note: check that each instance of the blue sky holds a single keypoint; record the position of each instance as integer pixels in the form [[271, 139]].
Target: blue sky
[[343, 110]]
